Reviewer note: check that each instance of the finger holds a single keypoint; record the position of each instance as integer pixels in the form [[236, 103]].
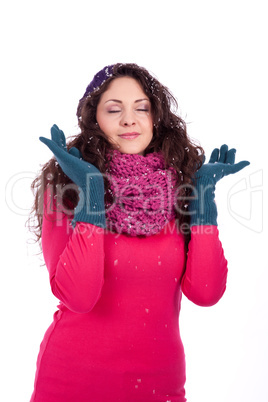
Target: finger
[[62, 139], [47, 142], [223, 153], [230, 158], [51, 144], [75, 152], [214, 156], [54, 128], [239, 166], [55, 148], [231, 169], [55, 134], [58, 136]]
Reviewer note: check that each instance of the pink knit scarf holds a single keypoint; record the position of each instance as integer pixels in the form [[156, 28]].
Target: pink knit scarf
[[140, 198]]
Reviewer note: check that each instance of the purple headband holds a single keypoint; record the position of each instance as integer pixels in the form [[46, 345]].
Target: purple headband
[[99, 79]]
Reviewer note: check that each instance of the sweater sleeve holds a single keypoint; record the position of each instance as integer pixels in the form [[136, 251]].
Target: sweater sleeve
[[74, 259], [204, 280]]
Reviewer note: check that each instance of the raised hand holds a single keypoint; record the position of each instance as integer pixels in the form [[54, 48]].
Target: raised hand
[[86, 176], [202, 207], [221, 163]]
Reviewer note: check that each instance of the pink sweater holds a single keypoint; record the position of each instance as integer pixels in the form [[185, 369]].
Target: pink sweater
[[116, 334]]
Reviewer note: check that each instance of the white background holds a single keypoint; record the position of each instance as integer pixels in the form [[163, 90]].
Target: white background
[[213, 57]]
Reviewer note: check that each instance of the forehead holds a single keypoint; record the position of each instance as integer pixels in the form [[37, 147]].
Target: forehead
[[124, 88]]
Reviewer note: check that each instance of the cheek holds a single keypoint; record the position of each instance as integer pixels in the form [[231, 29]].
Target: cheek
[[99, 117], [103, 122], [146, 121]]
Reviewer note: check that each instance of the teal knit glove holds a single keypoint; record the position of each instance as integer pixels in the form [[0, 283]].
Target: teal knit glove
[[87, 177], [202, 207]]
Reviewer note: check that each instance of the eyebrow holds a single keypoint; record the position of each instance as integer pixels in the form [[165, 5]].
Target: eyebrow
[[119, 101]]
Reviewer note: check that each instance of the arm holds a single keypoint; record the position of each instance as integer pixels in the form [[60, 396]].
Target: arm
[[75, 260], [204, 280]]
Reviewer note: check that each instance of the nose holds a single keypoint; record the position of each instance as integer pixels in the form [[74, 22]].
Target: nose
[[128, 119]]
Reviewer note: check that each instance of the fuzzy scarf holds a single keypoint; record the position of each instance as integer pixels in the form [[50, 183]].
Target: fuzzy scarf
[[140, 199]]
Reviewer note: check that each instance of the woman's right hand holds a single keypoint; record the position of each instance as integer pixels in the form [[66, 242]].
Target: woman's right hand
[[87, 177]]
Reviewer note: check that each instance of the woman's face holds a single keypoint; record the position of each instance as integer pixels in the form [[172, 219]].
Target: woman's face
[[124, 115]]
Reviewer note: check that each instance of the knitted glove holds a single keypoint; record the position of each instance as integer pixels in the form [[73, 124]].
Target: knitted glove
[[87, 177], [202, 207]]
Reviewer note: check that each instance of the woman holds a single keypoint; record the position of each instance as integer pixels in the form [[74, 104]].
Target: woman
[[128, 222]]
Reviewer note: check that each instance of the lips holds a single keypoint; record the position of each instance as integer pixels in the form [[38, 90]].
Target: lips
[[129, 136]]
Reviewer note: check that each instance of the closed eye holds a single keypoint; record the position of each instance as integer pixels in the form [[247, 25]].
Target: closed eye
[[139, 110]]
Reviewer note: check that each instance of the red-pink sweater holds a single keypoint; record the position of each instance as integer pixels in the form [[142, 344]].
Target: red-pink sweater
[[116, 334]]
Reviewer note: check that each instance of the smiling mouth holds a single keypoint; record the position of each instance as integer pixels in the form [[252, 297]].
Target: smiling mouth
[[129, 136]]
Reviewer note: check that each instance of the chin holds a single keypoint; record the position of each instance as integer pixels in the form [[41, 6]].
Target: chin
[[133, 151]]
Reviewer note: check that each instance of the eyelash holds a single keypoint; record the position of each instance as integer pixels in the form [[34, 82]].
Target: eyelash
[[118, 111]]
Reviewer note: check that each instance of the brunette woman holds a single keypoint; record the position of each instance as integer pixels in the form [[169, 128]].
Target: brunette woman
[[128, 223]]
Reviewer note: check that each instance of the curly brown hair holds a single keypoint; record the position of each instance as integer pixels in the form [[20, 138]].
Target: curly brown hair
[[169, 137]]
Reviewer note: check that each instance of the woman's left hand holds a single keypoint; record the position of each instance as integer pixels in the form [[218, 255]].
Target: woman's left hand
[[221, 163], [202, 207]]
